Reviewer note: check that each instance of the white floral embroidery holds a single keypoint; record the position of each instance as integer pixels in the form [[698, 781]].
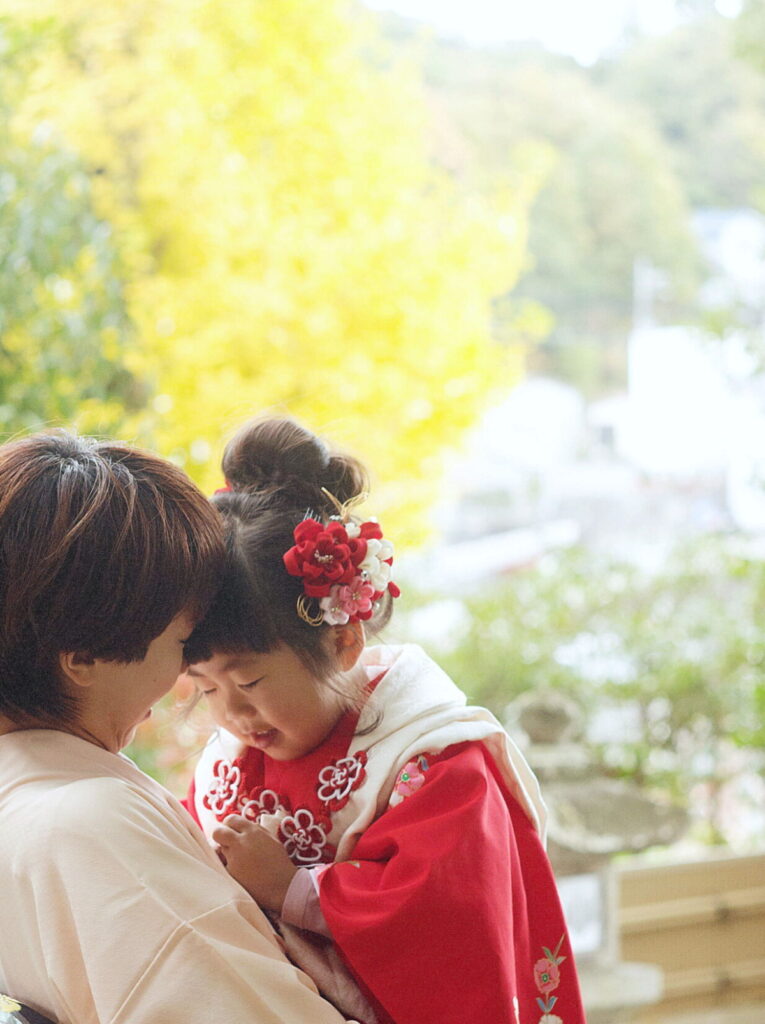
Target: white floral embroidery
[[267, 802], [224, 788], [337, 780], [303, 838]]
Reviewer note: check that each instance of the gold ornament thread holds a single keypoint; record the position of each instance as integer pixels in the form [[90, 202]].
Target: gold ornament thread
[[303, 610], [344, 508]]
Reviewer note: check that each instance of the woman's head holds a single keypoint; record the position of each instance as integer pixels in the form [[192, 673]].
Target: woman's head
[[102, 547], [279, 475]]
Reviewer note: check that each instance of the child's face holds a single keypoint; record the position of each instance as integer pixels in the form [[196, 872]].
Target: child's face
[[268, 701]]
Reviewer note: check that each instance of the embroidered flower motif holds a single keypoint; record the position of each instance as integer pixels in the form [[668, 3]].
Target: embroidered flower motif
[[546, 975], [337, 781], [221, 797], [322, 556], [411, 777], [259, 801], [8, 1005], [547, 978], [304, 838]]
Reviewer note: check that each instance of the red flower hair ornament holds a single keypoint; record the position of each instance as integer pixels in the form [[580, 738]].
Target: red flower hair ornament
[[345, 566]]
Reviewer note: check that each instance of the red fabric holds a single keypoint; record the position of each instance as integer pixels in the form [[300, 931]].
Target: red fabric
[[449, 906], [448, 910], [296, 781], [189, 803]]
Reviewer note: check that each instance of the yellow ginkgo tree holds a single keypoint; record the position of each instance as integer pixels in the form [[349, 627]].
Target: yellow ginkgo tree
[[288, 243]]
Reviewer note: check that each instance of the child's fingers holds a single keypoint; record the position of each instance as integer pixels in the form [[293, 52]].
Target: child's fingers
[[224, 836], [236, 822]]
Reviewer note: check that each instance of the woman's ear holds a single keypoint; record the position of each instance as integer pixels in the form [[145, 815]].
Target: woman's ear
[[349, 643], [77, 668]]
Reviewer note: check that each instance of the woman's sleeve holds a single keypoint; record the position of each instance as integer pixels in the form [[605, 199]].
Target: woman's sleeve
[[440, 908], [142, 923]]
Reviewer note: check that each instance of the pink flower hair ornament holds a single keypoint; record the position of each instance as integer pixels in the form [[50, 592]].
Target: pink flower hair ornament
[[345, 566]]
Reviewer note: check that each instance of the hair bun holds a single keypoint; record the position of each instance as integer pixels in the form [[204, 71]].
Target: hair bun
[[279, 456]]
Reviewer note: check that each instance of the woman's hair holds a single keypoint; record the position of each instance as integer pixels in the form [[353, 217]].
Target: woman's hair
[[101, 547], [276, 470]]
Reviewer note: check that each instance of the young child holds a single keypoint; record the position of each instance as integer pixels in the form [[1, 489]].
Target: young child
[[350, 789]]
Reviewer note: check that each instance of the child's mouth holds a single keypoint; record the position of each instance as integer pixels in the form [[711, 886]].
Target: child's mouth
[[262, 740]]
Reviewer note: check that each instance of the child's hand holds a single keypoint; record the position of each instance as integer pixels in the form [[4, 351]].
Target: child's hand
[[256, 859]]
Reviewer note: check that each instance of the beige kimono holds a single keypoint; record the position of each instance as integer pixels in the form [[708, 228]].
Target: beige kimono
[[113, 908]]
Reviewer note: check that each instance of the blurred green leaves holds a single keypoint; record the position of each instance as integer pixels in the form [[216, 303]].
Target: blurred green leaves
[[676, 659], [64, 327]]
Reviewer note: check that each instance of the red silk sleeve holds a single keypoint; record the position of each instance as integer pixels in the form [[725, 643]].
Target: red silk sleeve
[[449, 905]]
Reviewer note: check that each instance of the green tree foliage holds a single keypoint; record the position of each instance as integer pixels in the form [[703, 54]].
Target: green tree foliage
[[64, 326], [681, 651], [288, 241], [609, 200], [609, 195], [750, 33], [708, 106], [633, 144]]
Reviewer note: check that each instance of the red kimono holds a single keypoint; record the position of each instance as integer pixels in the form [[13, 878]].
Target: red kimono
[[444, 905]]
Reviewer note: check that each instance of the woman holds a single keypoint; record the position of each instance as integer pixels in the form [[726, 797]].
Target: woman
[[112, 906]]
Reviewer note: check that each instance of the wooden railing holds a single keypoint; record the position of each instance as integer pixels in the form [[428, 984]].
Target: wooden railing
[[703, 922]]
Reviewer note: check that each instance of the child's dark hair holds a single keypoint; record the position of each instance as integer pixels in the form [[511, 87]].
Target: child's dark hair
[[276, 470]]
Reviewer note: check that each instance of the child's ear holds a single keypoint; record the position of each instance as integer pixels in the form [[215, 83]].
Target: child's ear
[[349, 643]]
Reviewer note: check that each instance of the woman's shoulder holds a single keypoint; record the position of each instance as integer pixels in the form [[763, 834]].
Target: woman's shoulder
[[98, 811], [65, 792]]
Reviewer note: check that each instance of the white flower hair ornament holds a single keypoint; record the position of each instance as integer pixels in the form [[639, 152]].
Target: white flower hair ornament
[[345, 567]]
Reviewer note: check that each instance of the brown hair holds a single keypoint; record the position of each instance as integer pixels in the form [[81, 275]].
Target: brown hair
[[101, 547], [276, 469]]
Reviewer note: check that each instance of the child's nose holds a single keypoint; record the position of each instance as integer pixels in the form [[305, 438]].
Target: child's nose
[[241, 710], [238, 702]]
